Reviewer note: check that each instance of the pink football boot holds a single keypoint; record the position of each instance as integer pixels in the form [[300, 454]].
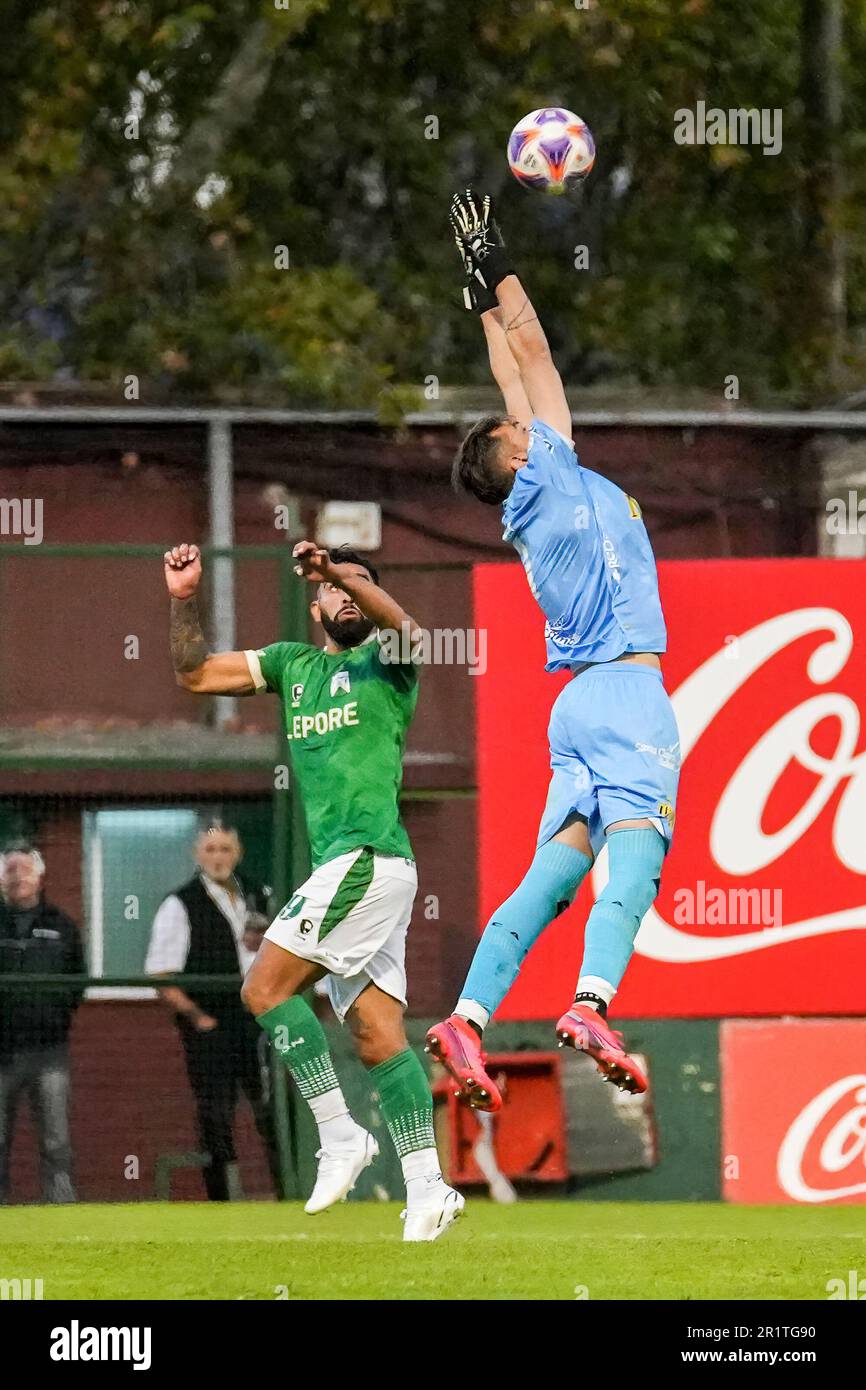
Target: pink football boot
[[457, 1046], [586, 1030]]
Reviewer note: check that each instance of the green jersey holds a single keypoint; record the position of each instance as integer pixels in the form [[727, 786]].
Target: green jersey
[[346, 717]]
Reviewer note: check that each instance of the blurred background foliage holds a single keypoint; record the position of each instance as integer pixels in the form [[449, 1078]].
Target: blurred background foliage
[[154, 155]]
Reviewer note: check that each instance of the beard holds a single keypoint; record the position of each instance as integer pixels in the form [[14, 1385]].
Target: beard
[[348, 632]]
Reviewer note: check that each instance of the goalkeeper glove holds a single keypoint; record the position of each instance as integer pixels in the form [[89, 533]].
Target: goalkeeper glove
[[476, 296], [482, 250]]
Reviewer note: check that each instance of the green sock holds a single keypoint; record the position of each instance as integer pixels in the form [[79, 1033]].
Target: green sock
[[299, 1038], [405, 1102]]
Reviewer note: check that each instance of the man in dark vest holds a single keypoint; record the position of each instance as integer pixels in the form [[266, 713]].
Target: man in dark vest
[[36, 938], [204, 928]]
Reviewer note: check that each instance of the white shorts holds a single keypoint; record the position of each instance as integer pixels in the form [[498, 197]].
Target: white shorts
[[351, 917]]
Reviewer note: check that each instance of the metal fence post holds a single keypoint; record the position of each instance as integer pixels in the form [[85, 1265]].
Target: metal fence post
[[290, 859], [222, 533]]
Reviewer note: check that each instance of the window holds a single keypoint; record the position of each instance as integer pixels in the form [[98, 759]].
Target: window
[[132, 860]]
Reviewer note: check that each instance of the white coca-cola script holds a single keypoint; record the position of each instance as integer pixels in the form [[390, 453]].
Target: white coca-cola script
[[841, 1151], [737, 842]]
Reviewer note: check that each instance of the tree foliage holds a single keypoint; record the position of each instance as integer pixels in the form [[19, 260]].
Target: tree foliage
[[155, 156]]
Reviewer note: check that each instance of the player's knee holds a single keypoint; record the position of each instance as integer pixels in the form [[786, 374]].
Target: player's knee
[[547, 889], [251, 997], [384, 1044], [259, 996], [635, 871], [378, 1038], [381, 1049], [632, 896]]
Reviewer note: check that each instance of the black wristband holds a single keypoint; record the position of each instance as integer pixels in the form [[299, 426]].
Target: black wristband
[[477, 297], [495, 266]]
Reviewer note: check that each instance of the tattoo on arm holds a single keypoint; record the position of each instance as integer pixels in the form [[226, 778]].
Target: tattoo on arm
[[188, 646], [517, 321]]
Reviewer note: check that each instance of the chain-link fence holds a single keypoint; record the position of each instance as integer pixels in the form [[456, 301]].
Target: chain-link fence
[[110, 772]]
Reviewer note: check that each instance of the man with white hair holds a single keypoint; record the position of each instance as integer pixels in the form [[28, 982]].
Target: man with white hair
[[208, 927], [36, 938]]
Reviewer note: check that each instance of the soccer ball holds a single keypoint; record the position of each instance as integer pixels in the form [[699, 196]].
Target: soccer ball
[[551, 149]]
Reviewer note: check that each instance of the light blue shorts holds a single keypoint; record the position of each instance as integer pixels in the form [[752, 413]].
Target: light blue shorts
[[614, 751]]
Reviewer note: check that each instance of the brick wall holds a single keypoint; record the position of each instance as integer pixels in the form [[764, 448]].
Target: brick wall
[[130, 1099]]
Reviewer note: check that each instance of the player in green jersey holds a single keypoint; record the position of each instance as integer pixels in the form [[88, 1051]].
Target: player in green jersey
[[346, 709]]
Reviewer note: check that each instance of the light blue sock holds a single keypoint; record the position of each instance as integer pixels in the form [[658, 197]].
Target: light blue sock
[[548, 888], [635, 859]]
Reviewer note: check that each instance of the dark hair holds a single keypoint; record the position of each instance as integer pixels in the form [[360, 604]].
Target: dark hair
[[474, 470], [345, 555]]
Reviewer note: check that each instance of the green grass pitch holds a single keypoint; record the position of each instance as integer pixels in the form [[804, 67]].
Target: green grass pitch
[[534, 1250]]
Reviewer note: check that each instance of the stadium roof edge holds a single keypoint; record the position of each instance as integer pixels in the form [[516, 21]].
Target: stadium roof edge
[[588, 419]]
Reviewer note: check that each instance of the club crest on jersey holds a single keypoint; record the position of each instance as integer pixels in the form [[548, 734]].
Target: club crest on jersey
[[340, 681], [297, 692], [293, 906]]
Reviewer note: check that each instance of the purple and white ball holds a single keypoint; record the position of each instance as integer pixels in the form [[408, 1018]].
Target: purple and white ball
[[551, 149]]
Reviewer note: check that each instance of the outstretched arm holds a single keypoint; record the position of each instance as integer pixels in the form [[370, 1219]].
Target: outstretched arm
[[528, 344], [503, 365], [195, 668], [491, 281]]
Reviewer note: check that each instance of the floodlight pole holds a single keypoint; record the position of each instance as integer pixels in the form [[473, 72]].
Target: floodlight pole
[[222, 533]]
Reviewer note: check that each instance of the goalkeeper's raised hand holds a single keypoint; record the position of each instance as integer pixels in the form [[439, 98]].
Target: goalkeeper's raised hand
[[482, 249]]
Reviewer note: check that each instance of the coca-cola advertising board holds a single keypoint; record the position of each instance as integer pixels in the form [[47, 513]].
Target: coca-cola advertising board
[[762, 908], [809, 1144]]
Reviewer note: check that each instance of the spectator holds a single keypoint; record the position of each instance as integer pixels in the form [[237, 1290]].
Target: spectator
[[36, 938], [210, 927]]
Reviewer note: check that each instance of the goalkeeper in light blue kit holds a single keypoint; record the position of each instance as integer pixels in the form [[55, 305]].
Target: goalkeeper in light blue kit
[[614, 744]]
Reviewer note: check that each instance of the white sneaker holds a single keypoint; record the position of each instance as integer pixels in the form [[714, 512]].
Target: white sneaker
[[339, 1170], [430, 1220]]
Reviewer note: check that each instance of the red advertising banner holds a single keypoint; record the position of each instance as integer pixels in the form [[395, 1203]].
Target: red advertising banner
[[810, 1144], [762, 907]]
